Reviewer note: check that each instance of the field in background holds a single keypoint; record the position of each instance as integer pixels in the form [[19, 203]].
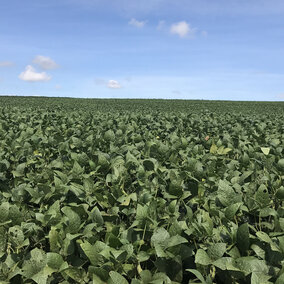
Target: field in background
[[141, 191]]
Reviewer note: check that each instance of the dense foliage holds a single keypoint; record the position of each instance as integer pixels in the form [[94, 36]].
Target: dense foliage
[[141, 191]]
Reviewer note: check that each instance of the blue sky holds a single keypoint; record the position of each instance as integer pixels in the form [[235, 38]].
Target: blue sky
[[183, 49]]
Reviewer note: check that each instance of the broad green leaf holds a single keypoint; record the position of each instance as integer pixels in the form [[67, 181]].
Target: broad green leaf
[[231, 210], [97, 216], [251, 264], [280, 279], [175, 240], [20, 170], [141, 212], [74, 220], [54, 260], [198, 275], [92, 253], [54, 240], [260, 278], [148, 165], [202, 257], [117, 278], [15, 215], [264, 237], [226, 194], [109, 135], [3, 240], [161, 236], [4, 212], [216, 251], [226, 263], [75, 273], [243, 240], [34, 267]]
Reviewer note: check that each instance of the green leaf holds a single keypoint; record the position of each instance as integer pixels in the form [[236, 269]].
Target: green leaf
[[146, 276], [262, 196], [226, 194], [92, 253], [15, 215], [216, 251], [202, 257], [16, 236], [75, 273], [74, 220], [54, 240], [34, 267], [264, 237], [97, 279], [198, 275], [175, 240], [141, 212], [4, 212], [231, 210], [3, 240], [260, 278], [109, 135], [117, 278], [243, 241], [148, 165], [280, 193], [20, 170], [280, 279], [97, 216], [54, 260], [226, 263], [160, 236], [251, 264]]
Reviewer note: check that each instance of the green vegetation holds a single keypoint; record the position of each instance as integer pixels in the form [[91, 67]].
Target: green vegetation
[[141, 191]]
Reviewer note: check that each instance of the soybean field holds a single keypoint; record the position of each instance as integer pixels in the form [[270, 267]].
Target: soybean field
[[141, 191]]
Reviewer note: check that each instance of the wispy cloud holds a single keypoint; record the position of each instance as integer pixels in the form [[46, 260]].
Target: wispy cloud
[[136, 23], [6, 63], [45, 62], [182, 29], [113, 84], [31, 75]]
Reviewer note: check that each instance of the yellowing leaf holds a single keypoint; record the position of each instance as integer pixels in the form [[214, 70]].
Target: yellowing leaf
[[213, 149], [265, 150]]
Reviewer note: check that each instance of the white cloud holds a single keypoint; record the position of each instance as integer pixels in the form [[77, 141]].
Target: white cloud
[[57, 87], [6, 63], [112, 84], [182, 29], [31, 75], [136, 23], [45, 62]]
